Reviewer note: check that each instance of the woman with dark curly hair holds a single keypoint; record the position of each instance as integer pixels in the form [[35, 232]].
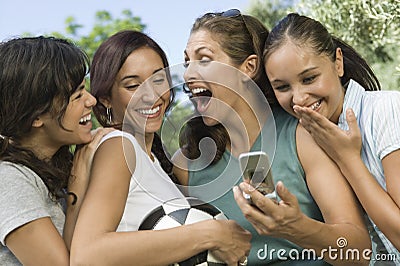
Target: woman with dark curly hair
[[44, 108]]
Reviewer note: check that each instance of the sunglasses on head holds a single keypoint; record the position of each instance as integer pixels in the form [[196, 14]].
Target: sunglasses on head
[[231, 13], [234, 13]]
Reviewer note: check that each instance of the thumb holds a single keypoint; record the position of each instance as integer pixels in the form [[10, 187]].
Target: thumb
[[285, 195], [352, 122]]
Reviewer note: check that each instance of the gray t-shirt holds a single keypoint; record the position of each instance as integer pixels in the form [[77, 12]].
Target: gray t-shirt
[[23, 198]]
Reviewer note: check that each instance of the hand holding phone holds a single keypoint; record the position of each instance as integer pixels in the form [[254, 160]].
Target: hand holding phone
[[256, 169]]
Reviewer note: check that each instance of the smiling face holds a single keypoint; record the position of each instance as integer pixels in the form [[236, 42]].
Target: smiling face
[[78, 116], [75, 126], [141, 88], [212, 78], [300, 77]]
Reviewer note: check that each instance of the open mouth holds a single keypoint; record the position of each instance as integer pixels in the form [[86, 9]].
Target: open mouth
[[85, 120], [201, 97], [150, 111], [316, 105]]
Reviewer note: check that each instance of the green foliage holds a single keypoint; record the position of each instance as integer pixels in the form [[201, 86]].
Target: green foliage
[[269, 12], [173, 125], [105, 25], [372, 27]]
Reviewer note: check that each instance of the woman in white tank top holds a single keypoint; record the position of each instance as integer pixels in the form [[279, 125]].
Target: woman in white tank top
[[128, 176]]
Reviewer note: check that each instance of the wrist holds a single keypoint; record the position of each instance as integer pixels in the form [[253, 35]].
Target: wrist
[[207, 233], [72, 198], [347, 163], [300, 229]]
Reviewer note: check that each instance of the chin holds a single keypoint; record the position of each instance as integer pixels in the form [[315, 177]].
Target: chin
[[208, 121], [152, 129]]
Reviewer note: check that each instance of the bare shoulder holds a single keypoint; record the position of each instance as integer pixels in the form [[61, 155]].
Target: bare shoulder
[[307, 149], [115, 154]]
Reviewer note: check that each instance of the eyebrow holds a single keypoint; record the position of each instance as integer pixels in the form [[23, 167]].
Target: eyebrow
[[307, 70], [199, 49], [136, 76], [300, 74]]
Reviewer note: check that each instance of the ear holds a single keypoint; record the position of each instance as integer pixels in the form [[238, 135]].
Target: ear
[[339, 65], [106, 102], [37, 122], [249, 66]]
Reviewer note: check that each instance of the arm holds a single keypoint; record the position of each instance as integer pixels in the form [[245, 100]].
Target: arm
[[97, 242], [38, 243], [26, 226], [334, 197], [78, 182], [344, 147]]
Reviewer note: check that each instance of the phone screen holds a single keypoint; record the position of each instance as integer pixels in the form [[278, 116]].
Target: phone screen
[[256, 170]]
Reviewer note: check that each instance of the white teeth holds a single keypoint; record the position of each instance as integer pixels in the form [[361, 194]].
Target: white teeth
[[198, 90], [149, 111], [85, 119], [316, 105]]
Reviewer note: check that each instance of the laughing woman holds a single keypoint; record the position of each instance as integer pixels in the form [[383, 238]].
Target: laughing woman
[[307, 180], [129, 174], [44, 108]]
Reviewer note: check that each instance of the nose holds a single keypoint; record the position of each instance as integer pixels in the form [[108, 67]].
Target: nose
[[90, 100], [148, 93], [191, 72], [299, 96]]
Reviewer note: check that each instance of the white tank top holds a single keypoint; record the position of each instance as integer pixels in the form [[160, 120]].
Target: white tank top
[[149, 187]]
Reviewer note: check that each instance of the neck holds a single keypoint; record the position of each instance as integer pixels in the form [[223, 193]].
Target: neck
[[146, 142], [40, 146], [245, 127], [335, 117]]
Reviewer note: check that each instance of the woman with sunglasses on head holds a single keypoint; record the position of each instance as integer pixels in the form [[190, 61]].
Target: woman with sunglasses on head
[[237, 120], [131, 80], [44, 109], [335, 94]]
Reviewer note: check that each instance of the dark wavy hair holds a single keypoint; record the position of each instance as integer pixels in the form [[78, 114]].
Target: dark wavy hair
[[37, 76], [304, 31], [239, 37], [107, 62]]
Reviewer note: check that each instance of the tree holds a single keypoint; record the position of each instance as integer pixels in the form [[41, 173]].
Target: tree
[[372, 27], [105, 25]]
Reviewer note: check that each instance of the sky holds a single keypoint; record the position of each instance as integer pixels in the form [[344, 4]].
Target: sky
[[167, 21]]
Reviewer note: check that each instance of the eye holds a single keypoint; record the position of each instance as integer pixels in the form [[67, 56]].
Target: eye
[[186, 64], [205, 60], [159, 81], [282, 88], [309, 79], [77, 95], [132, 87]]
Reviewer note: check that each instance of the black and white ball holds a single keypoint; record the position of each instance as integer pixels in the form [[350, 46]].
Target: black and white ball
[[183, 211]]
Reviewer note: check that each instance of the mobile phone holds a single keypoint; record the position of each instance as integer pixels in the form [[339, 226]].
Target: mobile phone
[[256, 169]]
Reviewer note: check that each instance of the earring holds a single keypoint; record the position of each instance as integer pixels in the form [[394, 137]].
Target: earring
[[109, 118]]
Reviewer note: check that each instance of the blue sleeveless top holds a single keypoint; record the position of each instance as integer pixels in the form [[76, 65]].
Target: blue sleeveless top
[[214, 184]]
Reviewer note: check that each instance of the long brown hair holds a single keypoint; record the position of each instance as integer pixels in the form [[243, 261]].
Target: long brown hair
[[305, 31], [107, 61], [38, 75], [249, 36]]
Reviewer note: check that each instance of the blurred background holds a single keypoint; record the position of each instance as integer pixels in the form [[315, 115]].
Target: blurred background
[[372, 27]]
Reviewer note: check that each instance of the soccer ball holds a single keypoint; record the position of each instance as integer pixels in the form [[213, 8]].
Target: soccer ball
[[183, 211]]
